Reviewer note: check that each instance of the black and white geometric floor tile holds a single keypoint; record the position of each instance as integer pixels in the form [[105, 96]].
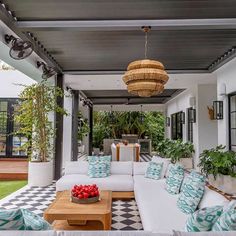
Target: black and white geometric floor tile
[[125, 214]]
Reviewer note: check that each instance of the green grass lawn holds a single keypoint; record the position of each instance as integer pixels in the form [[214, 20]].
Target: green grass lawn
[[8, 187]]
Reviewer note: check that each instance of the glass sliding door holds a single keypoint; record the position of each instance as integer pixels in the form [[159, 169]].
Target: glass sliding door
[[176, 126], [11, 145]]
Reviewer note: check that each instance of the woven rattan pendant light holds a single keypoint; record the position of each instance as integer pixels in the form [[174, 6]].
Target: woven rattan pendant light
[[145, 78]]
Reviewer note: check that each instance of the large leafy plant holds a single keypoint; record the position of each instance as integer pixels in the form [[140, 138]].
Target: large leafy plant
[[83, 127], [151, 125], [218, 161], [175, 149], [37, 101]]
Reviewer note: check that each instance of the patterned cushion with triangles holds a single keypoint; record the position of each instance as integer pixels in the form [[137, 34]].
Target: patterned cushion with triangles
[[203, 219]]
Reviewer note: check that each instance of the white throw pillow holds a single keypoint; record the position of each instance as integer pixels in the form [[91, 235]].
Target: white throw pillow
[[165, 162], [122, 168], [212, 198], [140, 168], [76, 167]]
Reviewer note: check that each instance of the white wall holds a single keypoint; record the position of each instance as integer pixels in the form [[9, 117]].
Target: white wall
[[204, 130], [225, 75], [8, 83], [207, 129]]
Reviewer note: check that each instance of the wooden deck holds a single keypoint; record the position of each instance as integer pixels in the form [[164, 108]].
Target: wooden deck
[[13, 169]]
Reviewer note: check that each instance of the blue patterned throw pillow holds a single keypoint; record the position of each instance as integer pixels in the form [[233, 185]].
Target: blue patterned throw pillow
[[97, 170], [154, 170], [11, 220], [227, 221], [34, 222], [203, 219], [101, 159], [192, 193], [174, 178]]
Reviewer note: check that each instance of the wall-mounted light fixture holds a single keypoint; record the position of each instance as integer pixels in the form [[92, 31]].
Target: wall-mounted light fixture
[[218, 110], [192, 115], [182, 117], [167, 121]]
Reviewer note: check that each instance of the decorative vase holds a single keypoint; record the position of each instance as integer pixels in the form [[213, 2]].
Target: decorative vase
[[125, 142], [40, 174]]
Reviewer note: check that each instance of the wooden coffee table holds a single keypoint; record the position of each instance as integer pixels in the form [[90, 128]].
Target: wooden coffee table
[[78, 214]]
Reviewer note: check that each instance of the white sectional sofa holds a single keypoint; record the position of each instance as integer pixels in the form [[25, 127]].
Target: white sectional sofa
[[120, 180], [158, 209]]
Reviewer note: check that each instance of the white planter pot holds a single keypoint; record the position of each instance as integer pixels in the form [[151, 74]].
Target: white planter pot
[[40, 174], [187, 163]]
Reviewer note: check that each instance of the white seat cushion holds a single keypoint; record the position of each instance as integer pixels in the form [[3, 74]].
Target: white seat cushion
[[212, 198], [139, 168], [113, 182], [121, 168], [76, 167], [157, 208]]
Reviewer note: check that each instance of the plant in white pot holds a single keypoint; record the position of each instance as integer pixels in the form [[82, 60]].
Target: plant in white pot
[[37, 102], [219, 166], [177, 151]]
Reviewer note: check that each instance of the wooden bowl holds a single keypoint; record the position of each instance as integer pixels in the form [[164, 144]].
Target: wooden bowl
[[84, 201]]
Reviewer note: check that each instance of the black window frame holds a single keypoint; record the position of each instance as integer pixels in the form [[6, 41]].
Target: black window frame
[[10, 129], [229, 120], [176, 126]]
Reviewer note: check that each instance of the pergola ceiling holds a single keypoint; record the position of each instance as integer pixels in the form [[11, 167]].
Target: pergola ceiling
[[96, 36], [122, 97]]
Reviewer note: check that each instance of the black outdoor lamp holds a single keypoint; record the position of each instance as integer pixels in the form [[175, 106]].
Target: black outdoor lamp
[[182, 117], [192, 115], [111, 116], [218, 110], [141, 115], [167, 121]]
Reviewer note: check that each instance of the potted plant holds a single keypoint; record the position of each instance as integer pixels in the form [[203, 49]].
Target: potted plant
[[177, 151], [83, 130], [219, 166], [37, 101]]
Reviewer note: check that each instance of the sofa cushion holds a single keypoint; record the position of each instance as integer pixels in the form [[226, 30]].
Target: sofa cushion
[[165, 162], [157, 208], [203, 219], [212, 198], [112, 182], [28, 233], [227, 221], [101, 161], [139, 168], [98, 169], [76, 167], [33, 221], [178, 233], [11, 220], [192, 193], [121, 167], [154, 170], [174, 178]]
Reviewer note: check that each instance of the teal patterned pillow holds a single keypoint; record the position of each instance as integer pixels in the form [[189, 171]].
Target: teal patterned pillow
[[192, 193], [11, 220], [101, 159], [34, 222], [203, 219], [227, 221], [97, 170], [174, 178], [154, 170]]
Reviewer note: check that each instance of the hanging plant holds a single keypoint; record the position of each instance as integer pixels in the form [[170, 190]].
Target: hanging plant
[[83, 127], [37, 101]]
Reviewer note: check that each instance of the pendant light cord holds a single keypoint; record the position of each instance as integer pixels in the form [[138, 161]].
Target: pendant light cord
[[146, 44]]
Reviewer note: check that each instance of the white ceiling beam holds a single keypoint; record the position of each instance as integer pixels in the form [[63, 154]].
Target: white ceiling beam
[[115, 25]]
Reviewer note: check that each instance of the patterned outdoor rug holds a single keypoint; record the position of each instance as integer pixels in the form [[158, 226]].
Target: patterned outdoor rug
[[125, 214]]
